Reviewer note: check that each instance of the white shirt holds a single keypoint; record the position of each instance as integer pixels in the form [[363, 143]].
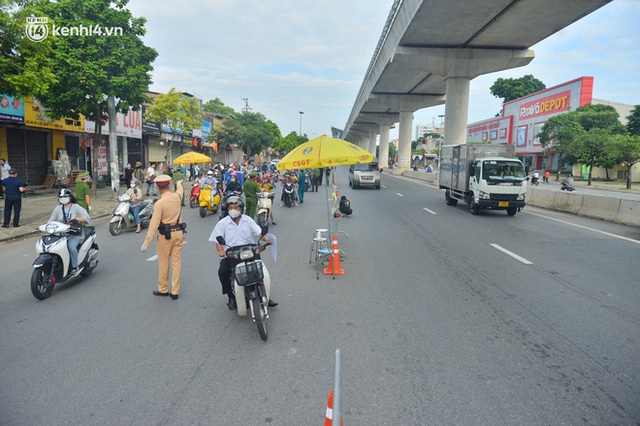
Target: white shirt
[[5, 171], [245, 232], [150, 172]]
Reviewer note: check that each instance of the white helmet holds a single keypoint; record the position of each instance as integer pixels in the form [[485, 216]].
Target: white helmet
[[210, 173]]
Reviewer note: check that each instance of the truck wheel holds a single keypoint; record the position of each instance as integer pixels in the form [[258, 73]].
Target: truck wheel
[[450, 200], [511, 211], [474, 208]]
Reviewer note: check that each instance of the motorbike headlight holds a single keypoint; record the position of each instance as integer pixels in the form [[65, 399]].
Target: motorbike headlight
[[246, 254]]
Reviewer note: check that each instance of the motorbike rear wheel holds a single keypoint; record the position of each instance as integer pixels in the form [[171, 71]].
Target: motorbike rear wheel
[[41, 283], [193, 203], [261, 321], [115, 228]]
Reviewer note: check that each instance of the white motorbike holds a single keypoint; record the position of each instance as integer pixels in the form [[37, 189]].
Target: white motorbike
[[265, 202], [123, 219], [54, 261], [251, 279]]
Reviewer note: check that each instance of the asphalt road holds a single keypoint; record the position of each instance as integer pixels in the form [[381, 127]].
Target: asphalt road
[[441, 318]]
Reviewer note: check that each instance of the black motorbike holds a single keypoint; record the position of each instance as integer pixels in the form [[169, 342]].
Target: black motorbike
[[288, 195], [535, 180]]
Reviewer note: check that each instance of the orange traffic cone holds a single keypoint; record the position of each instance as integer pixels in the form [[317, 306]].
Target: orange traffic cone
[[334, 259], [328, 418]]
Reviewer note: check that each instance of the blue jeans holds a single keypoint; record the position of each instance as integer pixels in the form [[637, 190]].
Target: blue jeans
[[72, 244], [136, 211], [153, 187]]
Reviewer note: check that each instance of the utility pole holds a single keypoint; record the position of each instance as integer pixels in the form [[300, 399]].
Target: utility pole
[[301, 113], [246, 107]]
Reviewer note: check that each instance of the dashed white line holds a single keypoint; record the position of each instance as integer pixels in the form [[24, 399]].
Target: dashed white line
[[512, 254], [397, 193], [430, 211]]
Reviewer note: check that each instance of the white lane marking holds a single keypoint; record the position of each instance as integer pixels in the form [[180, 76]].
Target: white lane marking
[[512, 254], [399, 194], [430, 211], [384, 186], [152, 258], [587, 228]]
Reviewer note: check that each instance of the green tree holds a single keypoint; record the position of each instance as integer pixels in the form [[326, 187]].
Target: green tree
[[26, 66], [633, 126], [289, 142], [513, 88], [218, 107], [179, 112], [91, 67], [626, 148], [559, 135]]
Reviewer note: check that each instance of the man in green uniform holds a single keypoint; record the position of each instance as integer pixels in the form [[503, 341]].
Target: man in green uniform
[[83, 192], [178, 176], [251, 189]]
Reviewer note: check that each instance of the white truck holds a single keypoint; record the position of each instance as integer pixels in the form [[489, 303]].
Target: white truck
[[483, 176]]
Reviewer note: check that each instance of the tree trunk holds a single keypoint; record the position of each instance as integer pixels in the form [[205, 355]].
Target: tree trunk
[[593, 159], [559, 167], [167, 156], [629, 177], [113, 145]]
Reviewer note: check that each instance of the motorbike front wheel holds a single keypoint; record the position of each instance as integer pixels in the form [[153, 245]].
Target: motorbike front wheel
[[41, 283], [115, 228], [203, 211], [261, 321]]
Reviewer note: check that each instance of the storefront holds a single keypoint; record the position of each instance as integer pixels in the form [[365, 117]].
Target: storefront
[[529, 114]]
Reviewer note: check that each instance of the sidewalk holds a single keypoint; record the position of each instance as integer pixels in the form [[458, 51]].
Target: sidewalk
[[37, 207]]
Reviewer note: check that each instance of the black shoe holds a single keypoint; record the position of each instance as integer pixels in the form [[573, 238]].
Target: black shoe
[[16, 226], [174, 296], [273, 223], [231, 304], [272, 303], [73, 271], [157, 293], [5, 226]]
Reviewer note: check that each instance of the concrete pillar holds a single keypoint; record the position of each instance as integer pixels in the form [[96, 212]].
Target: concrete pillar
[[456, 110], [372, 143], [383, 148], [404, 140]]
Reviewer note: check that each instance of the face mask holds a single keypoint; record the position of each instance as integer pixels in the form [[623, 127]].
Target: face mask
[[234, 213], [133, 185], [233, 180], [64, 200]]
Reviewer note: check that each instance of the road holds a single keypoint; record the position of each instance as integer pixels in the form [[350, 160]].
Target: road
[[441, 318]]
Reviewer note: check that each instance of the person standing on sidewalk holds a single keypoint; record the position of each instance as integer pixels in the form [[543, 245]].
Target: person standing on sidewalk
[[14, 187], [167, 214], [139, 173], [4, 168], [151, 176], [83, 192], [177, 178]]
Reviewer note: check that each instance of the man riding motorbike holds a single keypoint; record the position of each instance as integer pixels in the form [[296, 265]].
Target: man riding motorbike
[[70, 212], [210, 179], [236, 229]]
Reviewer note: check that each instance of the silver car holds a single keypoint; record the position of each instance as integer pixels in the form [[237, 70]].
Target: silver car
[[367, 174]]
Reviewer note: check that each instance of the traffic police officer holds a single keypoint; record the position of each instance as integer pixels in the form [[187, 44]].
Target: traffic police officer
[[166, 219]]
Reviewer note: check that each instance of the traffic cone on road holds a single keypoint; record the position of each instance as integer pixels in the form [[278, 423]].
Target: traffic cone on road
[[328, 418], [334, 259]]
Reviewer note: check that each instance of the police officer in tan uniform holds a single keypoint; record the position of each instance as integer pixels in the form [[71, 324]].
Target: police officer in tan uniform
[[167, 220]]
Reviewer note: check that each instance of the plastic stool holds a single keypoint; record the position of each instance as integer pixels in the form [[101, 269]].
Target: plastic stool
[[320, 240], [321, 254]]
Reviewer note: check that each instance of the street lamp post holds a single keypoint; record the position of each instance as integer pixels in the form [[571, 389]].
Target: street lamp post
[[301, 113]]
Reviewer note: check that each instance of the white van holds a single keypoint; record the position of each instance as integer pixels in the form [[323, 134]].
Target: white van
[[367, 174]]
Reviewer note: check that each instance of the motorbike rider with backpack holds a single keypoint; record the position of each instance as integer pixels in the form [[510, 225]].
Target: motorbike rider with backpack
[[236, 229], [70, 212]]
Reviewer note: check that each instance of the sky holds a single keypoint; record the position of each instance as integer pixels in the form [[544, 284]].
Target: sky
[[295, 56]]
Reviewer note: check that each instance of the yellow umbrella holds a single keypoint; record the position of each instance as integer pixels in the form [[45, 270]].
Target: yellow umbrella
[[324, 152], [192, 157]]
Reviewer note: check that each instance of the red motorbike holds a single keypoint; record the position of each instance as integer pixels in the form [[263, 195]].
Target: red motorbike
[[194, 197]]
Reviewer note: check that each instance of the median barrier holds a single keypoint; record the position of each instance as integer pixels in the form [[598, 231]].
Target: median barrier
[[599, 207], [540, 197], [628, 212], [569, 202]]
